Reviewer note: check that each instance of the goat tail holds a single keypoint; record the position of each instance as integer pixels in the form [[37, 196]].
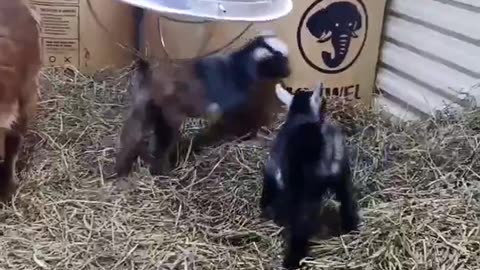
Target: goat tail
[[142, 65], [142, 72]]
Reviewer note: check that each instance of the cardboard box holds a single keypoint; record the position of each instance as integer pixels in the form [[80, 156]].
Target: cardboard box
[[333, 41], [337, 42], [71, 36]]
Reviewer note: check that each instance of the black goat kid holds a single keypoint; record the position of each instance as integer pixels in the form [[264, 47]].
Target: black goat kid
[[308, 158]]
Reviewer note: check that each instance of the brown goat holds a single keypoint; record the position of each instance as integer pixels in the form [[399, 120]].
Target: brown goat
[[165, 95], [20, 64]]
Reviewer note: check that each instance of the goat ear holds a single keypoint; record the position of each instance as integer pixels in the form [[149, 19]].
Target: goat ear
[[283, 95]]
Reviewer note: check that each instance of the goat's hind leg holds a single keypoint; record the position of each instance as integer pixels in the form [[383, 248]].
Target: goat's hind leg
[[302, 223], [162, 143], [130, 141], [12, 144], [349, 206]]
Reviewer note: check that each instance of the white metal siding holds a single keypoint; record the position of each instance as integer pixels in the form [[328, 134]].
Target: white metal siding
[[430, 56]]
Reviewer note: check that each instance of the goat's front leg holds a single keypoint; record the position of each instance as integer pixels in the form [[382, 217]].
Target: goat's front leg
[[130, 141], [348, 207], [270, 191], [8, 181], [231, 126], [162, 142]]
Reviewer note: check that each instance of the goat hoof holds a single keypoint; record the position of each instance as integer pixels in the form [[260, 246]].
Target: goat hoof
[[291, 263], [122, 184], [352, 226], [155, 171], [160, 169], [7, 191], [8, 183], [280, 222], [122, 170], [266, 213]]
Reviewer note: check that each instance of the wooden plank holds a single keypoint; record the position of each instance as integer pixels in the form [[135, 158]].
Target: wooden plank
[[443, 46]]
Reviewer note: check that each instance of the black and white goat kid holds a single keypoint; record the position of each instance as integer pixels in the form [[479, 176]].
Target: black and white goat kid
[[230, 78], [307, 158]]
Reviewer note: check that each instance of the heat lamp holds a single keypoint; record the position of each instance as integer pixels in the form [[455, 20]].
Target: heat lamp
[[217, 10]]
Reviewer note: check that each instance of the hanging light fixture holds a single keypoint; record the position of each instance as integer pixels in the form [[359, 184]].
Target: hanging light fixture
[[217, 10]]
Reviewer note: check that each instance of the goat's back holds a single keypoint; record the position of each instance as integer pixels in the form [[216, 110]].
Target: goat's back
[[20, 57], [177, 89], [308, 153]]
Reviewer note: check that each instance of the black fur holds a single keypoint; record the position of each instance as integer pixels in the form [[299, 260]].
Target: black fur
[[230, 79], [296, 153], [13, 144]]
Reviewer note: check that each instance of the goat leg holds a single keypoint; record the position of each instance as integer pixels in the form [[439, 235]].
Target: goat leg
[[302, 221], [8, 181], [245, 123], [268, 196], [348, 207], [208, 136], [163, 142], [230, 127], [130, 141]]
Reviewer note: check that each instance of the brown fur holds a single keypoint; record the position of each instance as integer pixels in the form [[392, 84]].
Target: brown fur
[[162, 101], [20, 63]]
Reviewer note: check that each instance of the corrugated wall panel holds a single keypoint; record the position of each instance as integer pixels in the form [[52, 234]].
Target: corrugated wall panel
[[463, 3], [443, 15], [430, 58]]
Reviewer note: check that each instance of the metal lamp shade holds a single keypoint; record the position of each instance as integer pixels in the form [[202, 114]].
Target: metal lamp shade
[[216, 10]]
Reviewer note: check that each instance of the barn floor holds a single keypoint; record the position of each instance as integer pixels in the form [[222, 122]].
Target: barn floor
[[418, 184]]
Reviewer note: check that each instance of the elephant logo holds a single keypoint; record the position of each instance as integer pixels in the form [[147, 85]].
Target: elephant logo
[[332, 34]]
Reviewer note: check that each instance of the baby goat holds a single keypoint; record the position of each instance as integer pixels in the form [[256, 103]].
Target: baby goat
[[20, 63], [308, 157], [165, 95]]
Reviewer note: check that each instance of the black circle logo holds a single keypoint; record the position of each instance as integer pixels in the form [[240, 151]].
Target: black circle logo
[[332, 33]]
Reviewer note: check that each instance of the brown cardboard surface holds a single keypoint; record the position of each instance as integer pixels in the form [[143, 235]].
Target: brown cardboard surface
[[356, 23], [352, 78], [71, 36]]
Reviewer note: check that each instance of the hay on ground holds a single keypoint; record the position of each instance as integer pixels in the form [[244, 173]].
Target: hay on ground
[[418, 185]]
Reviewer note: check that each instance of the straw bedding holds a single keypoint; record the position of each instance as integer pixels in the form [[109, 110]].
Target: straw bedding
[[418, 185]]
